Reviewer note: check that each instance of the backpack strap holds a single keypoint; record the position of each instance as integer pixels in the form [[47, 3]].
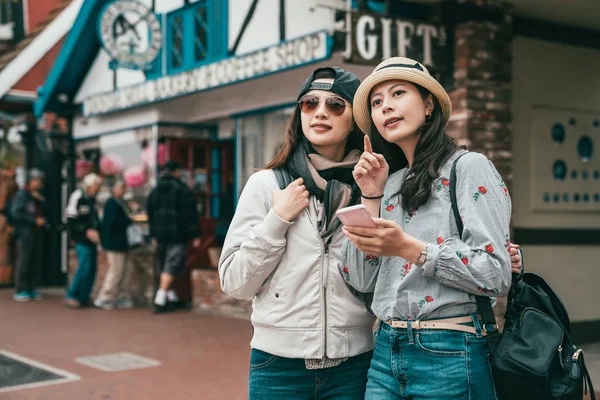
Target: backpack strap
[[484, 304], [283, 176]]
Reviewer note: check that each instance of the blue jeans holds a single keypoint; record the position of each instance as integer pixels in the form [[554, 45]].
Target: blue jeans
[[83, 281], [429, 364], [273, 378]]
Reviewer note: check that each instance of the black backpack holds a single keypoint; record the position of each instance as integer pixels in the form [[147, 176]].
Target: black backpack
[[534, 358], [283, 177]]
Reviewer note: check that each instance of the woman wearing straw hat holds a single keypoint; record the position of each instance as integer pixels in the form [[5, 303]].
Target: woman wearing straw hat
[[430, 343]]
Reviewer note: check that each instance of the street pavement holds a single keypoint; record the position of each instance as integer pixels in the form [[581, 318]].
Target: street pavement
[[201, 357]]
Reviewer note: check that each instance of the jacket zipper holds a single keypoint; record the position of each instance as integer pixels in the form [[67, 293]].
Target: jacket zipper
[[325, 275], [324, 271]]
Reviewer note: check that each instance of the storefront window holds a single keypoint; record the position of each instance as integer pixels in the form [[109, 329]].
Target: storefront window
[[261, 136], [129, 156], [207, 166]]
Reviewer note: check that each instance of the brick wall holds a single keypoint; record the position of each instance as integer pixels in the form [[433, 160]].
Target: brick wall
[[206, 290], [481, 98]]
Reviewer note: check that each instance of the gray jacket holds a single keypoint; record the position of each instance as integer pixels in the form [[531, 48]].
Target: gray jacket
[[301, 306]]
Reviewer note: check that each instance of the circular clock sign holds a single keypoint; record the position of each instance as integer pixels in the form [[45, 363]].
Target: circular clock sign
[[130, 33]]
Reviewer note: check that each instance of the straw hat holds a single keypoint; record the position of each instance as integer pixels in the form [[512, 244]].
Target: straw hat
[[397, 68]]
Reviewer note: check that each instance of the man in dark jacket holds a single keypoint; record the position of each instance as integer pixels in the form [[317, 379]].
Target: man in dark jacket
[[173, 222], [83, 225], [28, 214]]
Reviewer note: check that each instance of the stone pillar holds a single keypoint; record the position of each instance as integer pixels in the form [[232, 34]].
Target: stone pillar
[[481, 98]]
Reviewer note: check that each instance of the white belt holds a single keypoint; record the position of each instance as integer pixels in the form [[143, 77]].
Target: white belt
[[451, 324]]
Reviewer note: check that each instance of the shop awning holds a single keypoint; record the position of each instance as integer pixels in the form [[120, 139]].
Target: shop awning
[[73, 62]]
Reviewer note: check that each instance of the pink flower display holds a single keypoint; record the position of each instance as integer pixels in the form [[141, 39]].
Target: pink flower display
[[110, 165], [149, 157], [82, 168], [135, 176]]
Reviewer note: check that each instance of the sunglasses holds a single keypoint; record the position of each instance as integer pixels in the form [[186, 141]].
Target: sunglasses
[[334, 105]]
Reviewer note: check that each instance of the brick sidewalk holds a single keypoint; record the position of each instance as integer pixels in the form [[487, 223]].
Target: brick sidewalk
[[205, 357]]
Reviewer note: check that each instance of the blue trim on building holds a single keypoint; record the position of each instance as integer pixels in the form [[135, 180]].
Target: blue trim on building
[[328, 52], [159, 124], [215, 43], [155, 71], [374, 6], [264, 110], [73, 62], [237, 150], [215, 183]]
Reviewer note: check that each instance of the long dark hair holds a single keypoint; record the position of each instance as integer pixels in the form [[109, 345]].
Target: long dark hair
[[294, 134], [433, 150]]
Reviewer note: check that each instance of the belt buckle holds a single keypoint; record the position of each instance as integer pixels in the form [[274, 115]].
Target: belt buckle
[[391, 322], [486, 330]]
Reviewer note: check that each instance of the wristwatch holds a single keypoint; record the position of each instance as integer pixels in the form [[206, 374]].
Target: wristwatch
[[422, 258]]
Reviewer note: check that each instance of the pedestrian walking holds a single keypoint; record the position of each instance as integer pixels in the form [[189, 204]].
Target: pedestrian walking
[[174, 222], [84, 229], [29, 216], [115, 221]]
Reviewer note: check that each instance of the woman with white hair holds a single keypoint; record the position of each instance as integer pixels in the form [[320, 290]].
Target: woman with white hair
[[115, 221], [83, 225]]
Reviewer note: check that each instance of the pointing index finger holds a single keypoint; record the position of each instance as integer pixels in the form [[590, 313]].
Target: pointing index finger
[[368, 147]]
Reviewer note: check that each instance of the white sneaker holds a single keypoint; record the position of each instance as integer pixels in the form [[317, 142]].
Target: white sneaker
[[105, 305]]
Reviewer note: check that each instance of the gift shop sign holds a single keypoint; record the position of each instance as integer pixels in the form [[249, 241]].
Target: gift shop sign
[[294, 53], [374, 38]]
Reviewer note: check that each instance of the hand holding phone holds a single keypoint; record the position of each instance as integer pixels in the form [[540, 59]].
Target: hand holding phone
[[356, 216]]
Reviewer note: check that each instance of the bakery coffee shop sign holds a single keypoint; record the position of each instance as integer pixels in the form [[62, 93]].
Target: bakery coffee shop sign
[[375, 38], [291, 54]]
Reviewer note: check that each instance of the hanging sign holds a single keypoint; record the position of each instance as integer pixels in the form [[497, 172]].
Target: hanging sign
[[291, 54], [375, 38], [130, 33]]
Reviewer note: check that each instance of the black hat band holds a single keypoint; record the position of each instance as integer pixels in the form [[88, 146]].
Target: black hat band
[[416, 66]]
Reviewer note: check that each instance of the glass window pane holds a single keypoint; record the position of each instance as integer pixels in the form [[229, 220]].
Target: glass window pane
[[199, 154], [201, 41], [177, 42], [182, 155]]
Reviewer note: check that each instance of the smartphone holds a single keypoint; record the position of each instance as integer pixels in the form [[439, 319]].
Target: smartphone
[[356, 216]]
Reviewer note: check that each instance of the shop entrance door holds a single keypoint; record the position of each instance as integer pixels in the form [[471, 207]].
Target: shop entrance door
[[208, 171]]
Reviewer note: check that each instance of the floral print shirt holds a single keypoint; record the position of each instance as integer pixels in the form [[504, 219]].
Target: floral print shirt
[[456, 268]]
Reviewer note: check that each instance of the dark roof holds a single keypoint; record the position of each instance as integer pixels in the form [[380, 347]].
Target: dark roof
[[8, 57]]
